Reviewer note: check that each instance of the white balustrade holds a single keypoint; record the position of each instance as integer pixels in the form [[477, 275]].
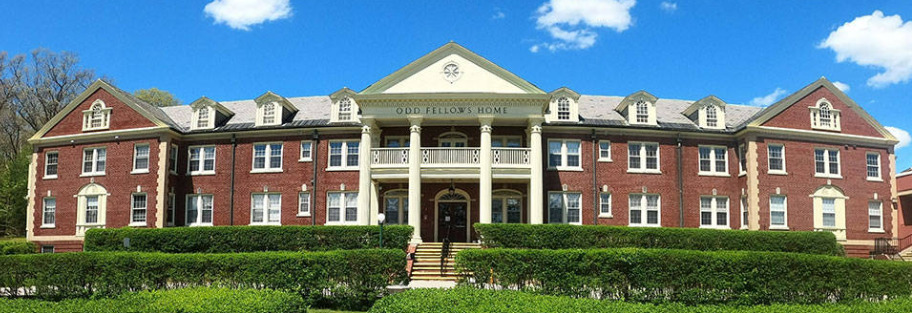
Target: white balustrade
[[451, 157], [82, 228], [511, 157], [390, 157]]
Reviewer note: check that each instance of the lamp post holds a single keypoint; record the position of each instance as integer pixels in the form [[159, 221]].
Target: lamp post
[[380, 219]]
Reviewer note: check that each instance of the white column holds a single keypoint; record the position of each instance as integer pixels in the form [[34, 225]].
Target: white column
[[374, 204], [485, 176], [414, 182], [536, 186], [364, 180]]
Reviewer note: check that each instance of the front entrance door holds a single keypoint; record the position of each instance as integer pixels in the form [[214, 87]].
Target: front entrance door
[[452, 222]]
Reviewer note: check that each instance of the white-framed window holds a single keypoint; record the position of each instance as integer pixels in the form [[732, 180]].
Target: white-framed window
[[201, 160], [304, 203], [604, 150], [828, 212], [94, 161], [47, 249], [875, 216], [778, 212], [872, 159], [452, 140], [203, 118], [199, 210], [506, 207], [642, 112], [49, 213], [605, 205], [396, 207], [138, 209], [564, 154], [826, 162], [266, 209], [342, 207], [97, 117], [269, 113], [506, 141], [171, 210], [91, 209], [565, 208], [824, 116], [645, 210], [744, 213], [345, 109], [643, 157], [50, 164], [400, 142], [742, 159], [563, 109], [712, 117], [172, 159], [306, 151], [713, 212], [776, 157], [343, 154], [141, 158], [713, 160], [267, 157]]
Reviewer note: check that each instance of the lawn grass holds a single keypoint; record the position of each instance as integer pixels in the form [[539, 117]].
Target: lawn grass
[[330, 311]]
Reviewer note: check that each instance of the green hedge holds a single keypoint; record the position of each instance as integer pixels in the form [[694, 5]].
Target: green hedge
[[193, 300], [343, 278], [469, 300], [554, 236], [247, 238], [693, 277], [17, 246]]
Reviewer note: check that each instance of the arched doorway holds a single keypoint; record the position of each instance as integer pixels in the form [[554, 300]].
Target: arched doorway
[[452, 216]]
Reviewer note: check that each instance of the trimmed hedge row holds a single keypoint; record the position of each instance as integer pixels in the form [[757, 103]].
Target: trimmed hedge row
[[227, 239], [17, 246], [685, 276], [342, 279], [193, 300], [555, 236], [469, 300]]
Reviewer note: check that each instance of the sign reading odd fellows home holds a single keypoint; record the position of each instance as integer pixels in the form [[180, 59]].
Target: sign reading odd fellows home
[[451, 110]]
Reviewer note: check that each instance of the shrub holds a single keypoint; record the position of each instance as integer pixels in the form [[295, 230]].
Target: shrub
[[193, 300], [343, 278], [247, 238], [693, 277], [468, 300], [554, 236], [16, 246]]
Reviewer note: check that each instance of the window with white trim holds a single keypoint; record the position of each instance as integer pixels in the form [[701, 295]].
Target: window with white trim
[[778, 212], [171, 210], [343, 154], [776, 157], [396, 207], [873, 166], [172, 159], [875, 216], [138, 209], [141, 158], [50, 164], [713, 160], [826, 162], [401, 142], [49, 213], [744, 214], [742, 159], [199, 210], [506, 207], [713, 212], [643, 157], [203, 119], [201, 160], [47, 249], [267, 157], [605, 204], [505, 142], [565, 208], [828, 212], [345, 109], [269, 113], [563, 109], [564, 154], [91, 209], [645, 210], [712, 117], [642, 112], [94, 161], [304, 203], [824, 116], [604, 149], [266, 209], [97, 117], [306, 151], [342, 207]]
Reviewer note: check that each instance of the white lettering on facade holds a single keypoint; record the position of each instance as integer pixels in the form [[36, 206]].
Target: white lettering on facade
[[451, 110]]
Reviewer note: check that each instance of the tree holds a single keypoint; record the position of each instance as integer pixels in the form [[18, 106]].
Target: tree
[[157, 97], [13, 191]]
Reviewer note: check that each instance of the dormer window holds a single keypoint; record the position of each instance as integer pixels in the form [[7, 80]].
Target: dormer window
[[824, 116], [97, 117], [639, 108], [708, 112], [208, 114], [269, 114], [642, 112], [825, 121], [202, 118], [273, 109], [563, 106], [712, 119], [563, 109], [345, 109]]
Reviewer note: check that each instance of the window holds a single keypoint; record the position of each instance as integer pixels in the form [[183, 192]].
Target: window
[[199, 210], [91, 210], [873, 165], [304, 204], [269, 114], [642, 112], [778, 216], [202, 118], [400, 142], [506, 141], [742, 159], [712, 118], [713, 160], [564, 154], [776, 156], [605, 204], [141, 158], [97, 117], [201, 160], [643, 157], [744, 213], [714, 212], [604, 150], [47, 249], [829, 212], [645, 210], [343, 154], [345, 109], [875, 216], [824, 116], [396, 207], [306, 151], [50, 165], [342, 207], [138, 211], [94, 160], [49, 213], [563, 109], [172, 159], [266, 209], [506, 207], [826, 162], [171, 210], [564, 208], [267, 157], [453, 140]]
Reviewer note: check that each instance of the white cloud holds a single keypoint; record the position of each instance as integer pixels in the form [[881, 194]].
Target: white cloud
[[768, 99], [668, 6], [534, 49], [842, 86], [241, 14], [902, 135], [572, 23], [498, 14], [878, 41]]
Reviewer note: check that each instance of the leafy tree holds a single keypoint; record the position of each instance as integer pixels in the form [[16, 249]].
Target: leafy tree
[[157, 97], [13, 191]]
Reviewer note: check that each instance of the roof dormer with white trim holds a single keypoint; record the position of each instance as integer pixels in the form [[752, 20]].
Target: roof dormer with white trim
[[824, 116], [564, 106], [273, 109], [344, 107], [708, 113], [639, 108], [97, 117], [208, 114]]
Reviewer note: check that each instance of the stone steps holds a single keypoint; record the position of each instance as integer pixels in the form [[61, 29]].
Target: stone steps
[[426, 265]]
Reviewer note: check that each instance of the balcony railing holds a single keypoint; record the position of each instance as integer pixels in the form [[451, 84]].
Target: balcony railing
[[390, 157], [433, 157], [82, 228], [451, 157]]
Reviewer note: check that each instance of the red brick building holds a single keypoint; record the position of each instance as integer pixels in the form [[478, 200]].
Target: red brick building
[[453, 139]]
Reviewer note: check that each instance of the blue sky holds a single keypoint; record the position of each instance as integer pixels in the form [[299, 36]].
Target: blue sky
[[741, 51]]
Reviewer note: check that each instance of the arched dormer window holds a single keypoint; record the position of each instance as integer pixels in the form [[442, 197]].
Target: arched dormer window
[[824, 116], [712, 118], [563, 109], [97, 117], [269, 113], [345, 109], [642, 112]]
